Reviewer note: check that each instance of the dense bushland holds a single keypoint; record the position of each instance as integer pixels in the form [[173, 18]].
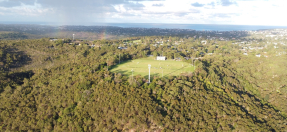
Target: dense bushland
[[56, 86]]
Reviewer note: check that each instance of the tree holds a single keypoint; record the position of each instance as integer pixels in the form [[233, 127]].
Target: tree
[[155, 54]]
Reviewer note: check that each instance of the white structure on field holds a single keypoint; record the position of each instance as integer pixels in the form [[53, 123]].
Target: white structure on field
[[160, 58], [149, 66]]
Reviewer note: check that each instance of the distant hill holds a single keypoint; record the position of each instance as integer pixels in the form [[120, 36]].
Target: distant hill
[[57, 86], [13, 35]]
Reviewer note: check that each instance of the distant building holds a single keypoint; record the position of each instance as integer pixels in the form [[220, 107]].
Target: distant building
[[204, 42], [160, 58], [52, 39], [122, 48], [51, 47], [178, 59], [187, 58]]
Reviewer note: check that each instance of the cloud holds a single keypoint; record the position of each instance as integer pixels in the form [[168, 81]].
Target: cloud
[[227, 2], [14, 3], [24, 9], [62, 11], [134, 6], [181, 14], [76, 11], [160, 11], [223, 15], [211, 4], [128, 14], [158, 5], [197, 4], [146, 0]]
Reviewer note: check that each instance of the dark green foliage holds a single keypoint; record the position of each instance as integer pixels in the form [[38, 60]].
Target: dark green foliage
[[13, 35], [70, 89]]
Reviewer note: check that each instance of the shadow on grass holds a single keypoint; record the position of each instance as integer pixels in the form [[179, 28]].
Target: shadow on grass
[[122, 63], [124, 72], [176, 70], [128, 72], [152, 76]]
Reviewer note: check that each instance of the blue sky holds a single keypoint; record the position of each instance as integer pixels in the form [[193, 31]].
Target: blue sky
[[235, 12]]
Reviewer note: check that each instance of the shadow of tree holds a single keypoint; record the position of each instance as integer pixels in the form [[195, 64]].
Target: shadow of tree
[[13, 36], [175, 71], [117, 65], [13, 58], [124, 72], [152, 76], [19, 76]]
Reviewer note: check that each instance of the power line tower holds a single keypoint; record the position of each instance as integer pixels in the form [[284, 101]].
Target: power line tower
[[149, 73], [162, 72], [108, 64], [132, 75]]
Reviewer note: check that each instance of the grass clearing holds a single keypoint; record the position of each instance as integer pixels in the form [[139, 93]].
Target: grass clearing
[[158, 68], [137, 41]]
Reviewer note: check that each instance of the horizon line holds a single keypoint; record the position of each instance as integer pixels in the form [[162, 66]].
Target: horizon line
[[96, 23]]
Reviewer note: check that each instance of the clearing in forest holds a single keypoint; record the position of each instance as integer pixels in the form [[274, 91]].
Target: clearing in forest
[[158, 68]]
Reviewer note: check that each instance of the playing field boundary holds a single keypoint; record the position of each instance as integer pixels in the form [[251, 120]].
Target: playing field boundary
[[158, 68]]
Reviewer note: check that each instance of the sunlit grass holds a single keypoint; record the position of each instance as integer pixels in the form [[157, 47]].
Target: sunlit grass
[[158, 68]]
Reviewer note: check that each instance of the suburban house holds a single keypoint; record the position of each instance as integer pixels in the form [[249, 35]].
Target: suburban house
[[160, 58], [204, 42], [52, 39], [122, 48], [178, 59], [187, 58], [209, 53]]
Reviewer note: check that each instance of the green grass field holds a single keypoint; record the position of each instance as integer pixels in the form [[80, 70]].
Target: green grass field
[[137, 41], [158, 68]]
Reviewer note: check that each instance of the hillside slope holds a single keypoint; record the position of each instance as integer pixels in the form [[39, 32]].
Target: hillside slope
[[71, 90]]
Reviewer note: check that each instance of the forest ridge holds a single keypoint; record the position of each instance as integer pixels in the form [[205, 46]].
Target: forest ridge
[[64, 85]]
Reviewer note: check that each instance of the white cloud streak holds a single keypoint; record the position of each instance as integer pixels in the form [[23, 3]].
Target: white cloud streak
[[238, 12]]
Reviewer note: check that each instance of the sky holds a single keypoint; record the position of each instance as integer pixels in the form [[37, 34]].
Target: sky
[[69, 12]]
